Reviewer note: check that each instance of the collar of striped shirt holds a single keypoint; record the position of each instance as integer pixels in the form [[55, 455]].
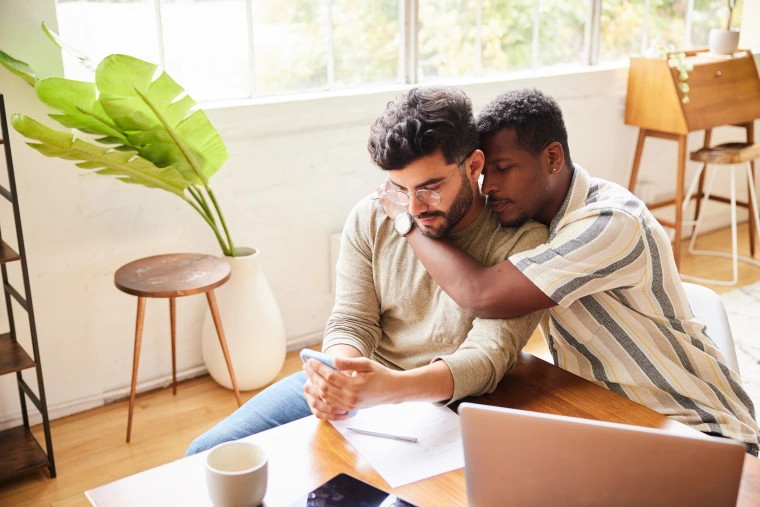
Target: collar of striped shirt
[[574, 200]]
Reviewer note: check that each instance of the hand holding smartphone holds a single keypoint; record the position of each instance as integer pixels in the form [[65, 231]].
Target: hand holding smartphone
[[307, 354]]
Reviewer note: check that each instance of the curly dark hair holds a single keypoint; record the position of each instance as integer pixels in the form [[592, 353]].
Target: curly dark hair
[[536, 119], [419, 123]]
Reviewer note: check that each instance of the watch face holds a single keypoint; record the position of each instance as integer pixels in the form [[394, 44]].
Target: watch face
[[403, 223]]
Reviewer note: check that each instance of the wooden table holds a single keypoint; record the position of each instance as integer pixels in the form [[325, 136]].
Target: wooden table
[[172, 276], [306, 453]]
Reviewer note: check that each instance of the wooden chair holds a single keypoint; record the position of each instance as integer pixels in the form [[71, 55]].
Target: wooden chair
[[729, 155], [173, 276]]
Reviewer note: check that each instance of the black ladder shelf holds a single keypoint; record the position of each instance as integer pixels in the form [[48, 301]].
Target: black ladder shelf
[[19, 450]]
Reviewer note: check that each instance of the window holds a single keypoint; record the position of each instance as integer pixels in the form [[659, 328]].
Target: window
[[100, 28], [709, 14], [290, 46], [486, 37], [205, 46], [223, 49], [227, 49], [632, 26]]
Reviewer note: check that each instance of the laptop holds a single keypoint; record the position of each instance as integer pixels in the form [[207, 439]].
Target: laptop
[[514, 457]]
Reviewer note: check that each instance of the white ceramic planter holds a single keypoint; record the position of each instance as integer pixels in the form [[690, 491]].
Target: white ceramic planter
[[723, 42], [252, 325]]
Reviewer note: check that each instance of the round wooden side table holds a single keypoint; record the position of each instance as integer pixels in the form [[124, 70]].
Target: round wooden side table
[[172, 276]]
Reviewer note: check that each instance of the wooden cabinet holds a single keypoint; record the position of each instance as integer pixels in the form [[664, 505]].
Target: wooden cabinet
[[723, 91]]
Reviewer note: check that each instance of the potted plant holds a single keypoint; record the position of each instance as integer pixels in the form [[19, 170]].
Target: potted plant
[[677, 60], [725, 41], [142, 128]]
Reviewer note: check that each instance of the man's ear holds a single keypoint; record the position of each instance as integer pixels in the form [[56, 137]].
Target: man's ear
[[475, 165], [555, 156]]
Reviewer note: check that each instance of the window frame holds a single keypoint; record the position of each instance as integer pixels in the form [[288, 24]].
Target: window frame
[[409, 48]]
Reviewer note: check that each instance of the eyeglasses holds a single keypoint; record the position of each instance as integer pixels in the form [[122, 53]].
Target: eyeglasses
[[425, 196]]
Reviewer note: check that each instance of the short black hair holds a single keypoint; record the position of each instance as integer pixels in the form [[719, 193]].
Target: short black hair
[[421, 122], [536, 119]]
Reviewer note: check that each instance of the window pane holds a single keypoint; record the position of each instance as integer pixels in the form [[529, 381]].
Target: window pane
[[507, 35], [561, 31], [366, 38], [620, 30], [447, 38], [711, 14], [290, 45], [206, 47], [99, 28], [667, 23]]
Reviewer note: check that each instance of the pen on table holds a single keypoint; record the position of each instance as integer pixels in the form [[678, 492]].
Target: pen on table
[[384, 435]]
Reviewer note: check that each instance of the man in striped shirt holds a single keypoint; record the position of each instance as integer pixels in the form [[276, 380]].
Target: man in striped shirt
[[618, 316]]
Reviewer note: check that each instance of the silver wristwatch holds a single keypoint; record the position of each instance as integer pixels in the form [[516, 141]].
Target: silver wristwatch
[[404, 223]]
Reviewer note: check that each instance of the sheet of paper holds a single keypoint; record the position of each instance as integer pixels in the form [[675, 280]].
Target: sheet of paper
[[438, 448]]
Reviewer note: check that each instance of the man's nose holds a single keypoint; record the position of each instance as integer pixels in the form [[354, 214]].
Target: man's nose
[[489, 185], [416, 207]]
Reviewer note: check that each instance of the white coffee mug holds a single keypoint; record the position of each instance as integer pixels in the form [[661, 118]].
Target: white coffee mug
[[236, 474]]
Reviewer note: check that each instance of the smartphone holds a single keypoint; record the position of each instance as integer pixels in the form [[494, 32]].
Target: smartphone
[[344, 490], [307, 354]]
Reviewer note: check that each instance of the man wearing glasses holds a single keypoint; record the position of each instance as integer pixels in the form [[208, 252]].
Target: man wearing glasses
[[394, 334]]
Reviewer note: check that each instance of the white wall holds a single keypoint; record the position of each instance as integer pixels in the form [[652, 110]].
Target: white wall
[[296, 168]]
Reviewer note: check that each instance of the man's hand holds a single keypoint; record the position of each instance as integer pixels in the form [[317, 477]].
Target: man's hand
[[319, 408], [391, 209], [358, 383]]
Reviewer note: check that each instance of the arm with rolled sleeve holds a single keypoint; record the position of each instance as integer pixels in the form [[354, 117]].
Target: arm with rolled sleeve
[[599, 252]]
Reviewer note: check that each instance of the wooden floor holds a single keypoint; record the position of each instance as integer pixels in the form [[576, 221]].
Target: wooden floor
[[90, 448]]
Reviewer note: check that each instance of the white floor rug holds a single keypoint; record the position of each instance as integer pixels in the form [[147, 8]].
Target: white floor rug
[[743, 309]]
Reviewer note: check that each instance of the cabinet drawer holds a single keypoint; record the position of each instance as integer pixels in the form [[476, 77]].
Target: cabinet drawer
[[722, 92]]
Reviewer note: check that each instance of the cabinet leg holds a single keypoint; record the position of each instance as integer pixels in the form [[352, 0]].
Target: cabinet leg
[[700, 188], [752, 226], [637, 160], [681, 170]]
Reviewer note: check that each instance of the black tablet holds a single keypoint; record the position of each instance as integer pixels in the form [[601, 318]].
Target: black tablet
[[346, 491]]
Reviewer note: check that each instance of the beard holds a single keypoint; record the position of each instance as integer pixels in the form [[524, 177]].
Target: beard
[[522, 216], [459, 208]]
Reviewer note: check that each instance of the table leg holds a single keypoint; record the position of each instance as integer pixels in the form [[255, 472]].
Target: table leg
[[681, 170], [173, 318], [637, 160], [700, 188], [135, 361], [222, 341]]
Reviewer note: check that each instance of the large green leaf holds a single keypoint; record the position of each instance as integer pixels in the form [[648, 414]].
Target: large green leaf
[[80, 107], [21, 69], [127, 166], [156, 115], [83, 58]]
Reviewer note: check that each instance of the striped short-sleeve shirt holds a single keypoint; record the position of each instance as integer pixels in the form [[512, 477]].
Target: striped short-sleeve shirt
[[623, 320]]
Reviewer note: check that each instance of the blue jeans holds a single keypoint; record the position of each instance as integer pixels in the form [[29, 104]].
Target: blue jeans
[[278, 404]]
